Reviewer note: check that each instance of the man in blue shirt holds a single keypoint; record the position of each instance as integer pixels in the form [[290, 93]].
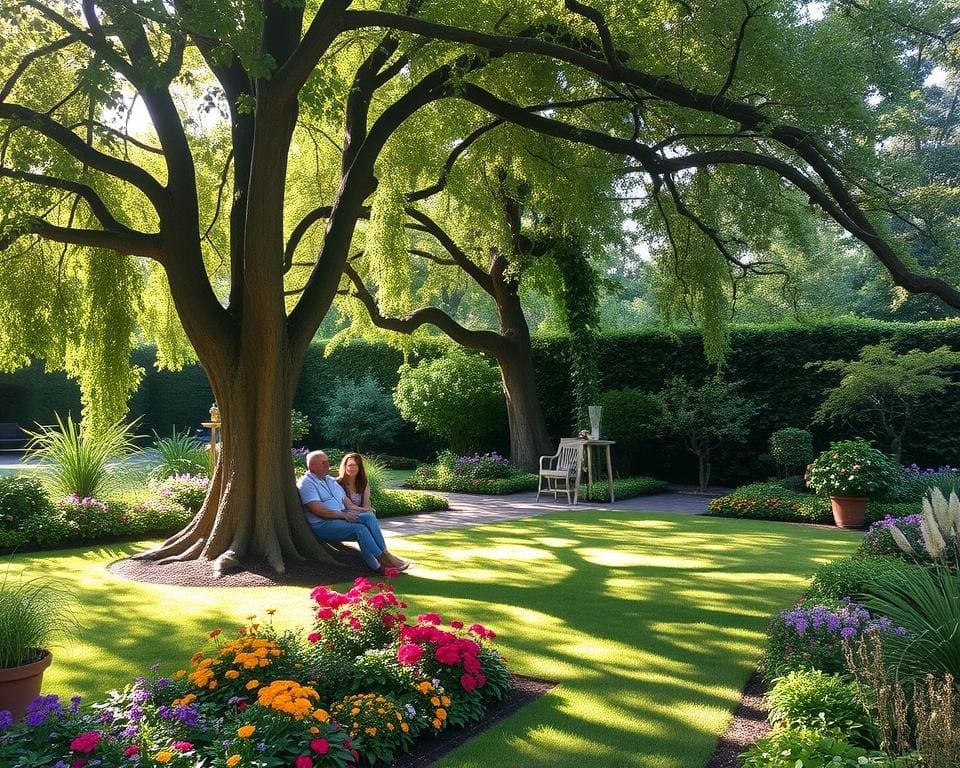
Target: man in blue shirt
[[328, 516]]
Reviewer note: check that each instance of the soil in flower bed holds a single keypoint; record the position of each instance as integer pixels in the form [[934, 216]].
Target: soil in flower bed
[[199, 573], [749, 724]]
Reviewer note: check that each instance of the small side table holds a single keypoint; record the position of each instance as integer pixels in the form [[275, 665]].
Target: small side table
[[215, 428], [587, 445]]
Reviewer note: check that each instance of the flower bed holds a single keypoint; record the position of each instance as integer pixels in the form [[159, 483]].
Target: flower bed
[[360, 688]]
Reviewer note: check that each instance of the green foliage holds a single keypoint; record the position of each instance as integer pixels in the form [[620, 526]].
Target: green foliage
[[180, 454], [704, 417], [805, 748], [623, 488], [883, 387], [851, 468], [771, 501], [850, 577], [33, 613], [456, 398], [21, 499], [792, 449], [186, 490], [630, 418], [391, 502], [426, 479], [299, 425], [76, 457], [926, 602], [811, 699], [362, 414]]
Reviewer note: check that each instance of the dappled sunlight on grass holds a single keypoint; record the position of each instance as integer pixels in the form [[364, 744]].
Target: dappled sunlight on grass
[[650, 623]]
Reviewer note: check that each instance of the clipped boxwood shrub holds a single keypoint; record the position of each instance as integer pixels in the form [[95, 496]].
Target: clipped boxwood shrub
[[814, 699], [21, 498], [390, 502], [771, 501], [428, 480], [848, 577], [624, 488]]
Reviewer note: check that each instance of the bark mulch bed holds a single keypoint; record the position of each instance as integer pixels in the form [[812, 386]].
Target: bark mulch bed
[[199, 573], [749, 724]]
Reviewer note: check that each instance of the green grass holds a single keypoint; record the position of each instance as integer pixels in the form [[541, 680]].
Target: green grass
[[651, 624], [393, 478]]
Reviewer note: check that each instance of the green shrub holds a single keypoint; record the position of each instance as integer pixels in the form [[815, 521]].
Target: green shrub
[[806, 748], [427, 479], [21, 498], [879, 540], [390, 502], [795, 483], [186, 490], [815, 700], [849, 577], [90, 519], [792, 449], [156, 516], [361, 414], [630, 417], [878, 510], [771, 501], [914, 483], [299, 425], [457, 398], [624, 488], [180, 454]]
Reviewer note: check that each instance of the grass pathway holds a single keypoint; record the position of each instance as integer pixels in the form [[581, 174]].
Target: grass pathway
[[651, 624]]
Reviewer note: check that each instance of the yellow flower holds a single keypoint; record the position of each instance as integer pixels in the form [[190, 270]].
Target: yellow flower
[[163, 757], [233, 760], [314, 730], [435, 701], [441, 714], [231, 674], [371, 730], [251, 684], [404, 727], [445, 700], [424, 687], [322, 715], [437, 724], [246, 731], [179, 674]]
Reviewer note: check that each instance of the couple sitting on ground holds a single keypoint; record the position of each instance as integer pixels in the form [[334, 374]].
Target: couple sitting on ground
[[338, 509]]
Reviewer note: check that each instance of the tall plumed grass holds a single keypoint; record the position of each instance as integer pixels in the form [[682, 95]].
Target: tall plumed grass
[[33, 613], [76, 458], [180, 454]]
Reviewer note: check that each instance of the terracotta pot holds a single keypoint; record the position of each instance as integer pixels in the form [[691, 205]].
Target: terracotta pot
[[21, 685], [848, 511]]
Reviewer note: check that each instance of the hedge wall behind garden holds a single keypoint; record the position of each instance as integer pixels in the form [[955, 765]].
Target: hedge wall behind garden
[[768, 360]]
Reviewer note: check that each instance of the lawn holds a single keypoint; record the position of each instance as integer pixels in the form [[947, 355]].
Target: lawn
[[650, 623]]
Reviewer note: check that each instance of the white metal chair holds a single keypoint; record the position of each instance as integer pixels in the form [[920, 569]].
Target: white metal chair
[[564, 466]]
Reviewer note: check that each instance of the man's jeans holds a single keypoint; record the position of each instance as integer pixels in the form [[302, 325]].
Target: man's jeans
[[366, 532]]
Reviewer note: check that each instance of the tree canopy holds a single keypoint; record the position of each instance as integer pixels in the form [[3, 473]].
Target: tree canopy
[[199, 172]]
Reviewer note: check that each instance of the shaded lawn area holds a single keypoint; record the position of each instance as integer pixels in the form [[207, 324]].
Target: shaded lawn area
[[651, 623]]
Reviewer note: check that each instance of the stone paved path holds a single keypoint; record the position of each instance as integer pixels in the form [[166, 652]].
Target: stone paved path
[[467, 510]]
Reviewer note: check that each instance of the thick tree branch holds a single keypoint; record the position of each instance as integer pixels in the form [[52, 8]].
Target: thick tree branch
[[326, 25], [481, 277], [455, 154], [487, 341], [32, 56], [131, 243]]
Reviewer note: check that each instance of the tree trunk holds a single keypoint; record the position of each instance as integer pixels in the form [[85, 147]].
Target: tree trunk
[[252, 508], [703, 457], [528, 429]]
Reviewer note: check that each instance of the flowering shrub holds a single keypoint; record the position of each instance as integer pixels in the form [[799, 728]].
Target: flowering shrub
[[851, 468], [771, 501], [484, 466], [252, 700], [915, 482], [89, 518], [187, 490], [878, 539], [811, 635], [379, 726]]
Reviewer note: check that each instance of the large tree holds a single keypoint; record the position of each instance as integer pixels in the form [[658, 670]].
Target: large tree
[[87, 200]]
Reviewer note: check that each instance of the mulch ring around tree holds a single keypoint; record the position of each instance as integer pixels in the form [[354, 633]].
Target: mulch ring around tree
[[200, 573], [749, 724]]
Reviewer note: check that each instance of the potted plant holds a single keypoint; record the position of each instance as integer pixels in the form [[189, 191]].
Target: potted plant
[[33, 613], [850, 472]]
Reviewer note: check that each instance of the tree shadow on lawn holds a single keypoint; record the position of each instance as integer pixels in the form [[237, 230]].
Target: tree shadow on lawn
[[651, 624]]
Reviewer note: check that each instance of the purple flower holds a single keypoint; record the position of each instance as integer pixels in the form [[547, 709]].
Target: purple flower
[[6, 718], [42, 708], [75, 704], [140, 696]]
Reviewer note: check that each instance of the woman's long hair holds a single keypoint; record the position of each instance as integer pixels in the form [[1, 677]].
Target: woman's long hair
[[361, 481]]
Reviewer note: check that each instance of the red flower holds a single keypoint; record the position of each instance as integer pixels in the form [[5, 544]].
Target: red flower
[[468, 682], [304, 761], [325, 613], [429, 618], [471, 665], [447, 654], [313, 637], [409, 654], [320, 746], [86, 742], [132, 750], [456, 624], [78, 763]]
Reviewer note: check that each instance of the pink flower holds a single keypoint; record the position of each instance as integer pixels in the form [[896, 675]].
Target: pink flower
[[325, 613], [304, 761], [86, 742], [456, 624], [471, 665], [409, 654], [391, 573], [447, 654], [131, 750], [429, 618], [313, 637], [468, 682], [320, 746], [182, 746], [78, 763]]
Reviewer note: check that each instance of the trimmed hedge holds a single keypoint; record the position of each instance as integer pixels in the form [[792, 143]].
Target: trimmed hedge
[[391, 502], [624, 488], [498, 486], [769, 360]]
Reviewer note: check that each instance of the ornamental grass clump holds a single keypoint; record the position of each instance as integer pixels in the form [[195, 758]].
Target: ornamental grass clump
[[811, 635], [851, 468], [939, 526], [180, 454], [33, 614]]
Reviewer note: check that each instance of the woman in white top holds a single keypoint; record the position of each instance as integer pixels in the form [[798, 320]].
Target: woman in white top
[[353, 479]]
